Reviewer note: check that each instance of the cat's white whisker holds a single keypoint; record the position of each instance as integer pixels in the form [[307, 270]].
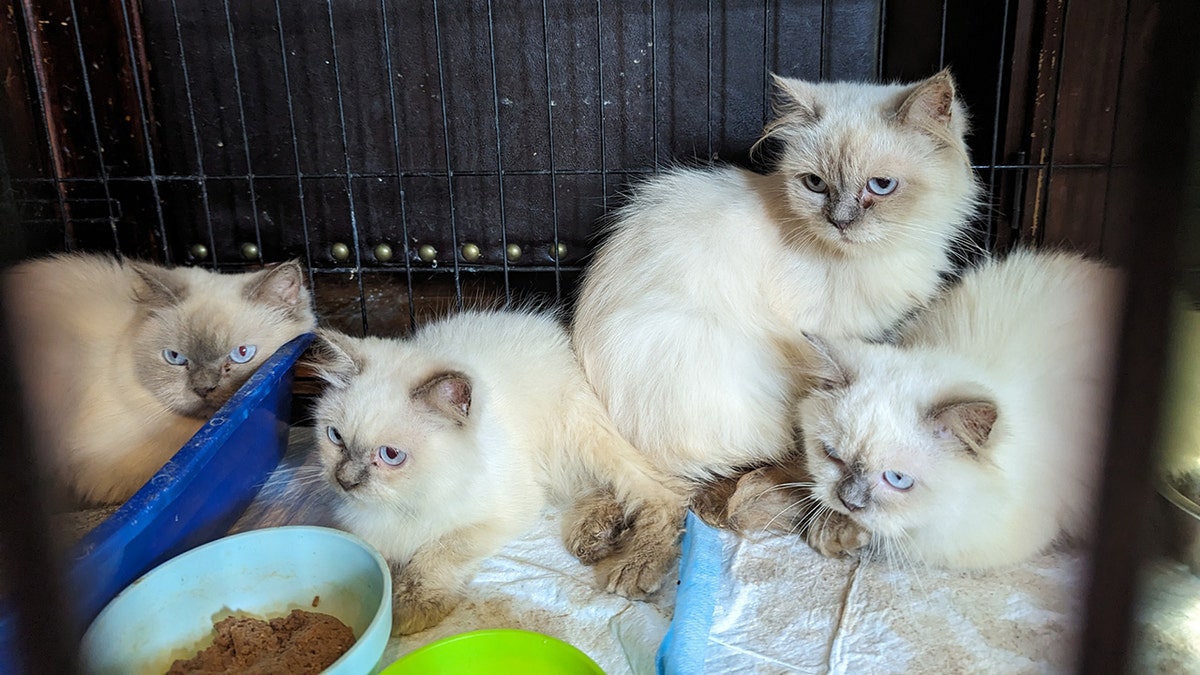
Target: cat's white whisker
[[786, 509], [784, 486], [811, 517]]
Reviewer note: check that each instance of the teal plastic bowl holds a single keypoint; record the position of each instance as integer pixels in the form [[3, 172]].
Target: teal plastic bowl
[[169, 612], [501, 651]]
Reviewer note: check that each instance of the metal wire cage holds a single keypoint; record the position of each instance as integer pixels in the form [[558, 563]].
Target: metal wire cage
[[427, 152], [422, 154]]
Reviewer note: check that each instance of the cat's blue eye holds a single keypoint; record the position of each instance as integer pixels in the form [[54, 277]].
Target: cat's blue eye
[[334, 436], [898, 480], [882, 186], [174, 358], [242, 353], [830, 452], [814, 182], [392, 456]]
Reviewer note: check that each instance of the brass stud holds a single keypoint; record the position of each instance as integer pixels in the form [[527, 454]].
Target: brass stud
[[427, 252], [558, 251], [471, 252], [340, 252], [250, 251], [199, 251], [383, 252], [513, 251]]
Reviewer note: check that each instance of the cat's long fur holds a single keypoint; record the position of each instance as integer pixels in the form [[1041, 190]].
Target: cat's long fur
[[994, 403], [687, 314], [496, 420], [89, 333]]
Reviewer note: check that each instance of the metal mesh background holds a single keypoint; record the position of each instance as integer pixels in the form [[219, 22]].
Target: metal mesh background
[[454, 149]]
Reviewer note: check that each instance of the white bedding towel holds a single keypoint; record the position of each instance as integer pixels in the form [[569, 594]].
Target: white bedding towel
[[782, 608]]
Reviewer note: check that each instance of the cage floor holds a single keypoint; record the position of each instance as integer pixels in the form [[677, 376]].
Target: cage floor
[[781, 608]]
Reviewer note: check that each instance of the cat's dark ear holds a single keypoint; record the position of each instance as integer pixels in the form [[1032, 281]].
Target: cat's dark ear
[[281, 285], [970, 422], [156, 286], [930, 104], [821, 365], [334, 357], [795, 101], [447, 393]]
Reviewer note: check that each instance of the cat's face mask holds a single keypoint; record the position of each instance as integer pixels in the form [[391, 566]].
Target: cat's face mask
[[203, 335]]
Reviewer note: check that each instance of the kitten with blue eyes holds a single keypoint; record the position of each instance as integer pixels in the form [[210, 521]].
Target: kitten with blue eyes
[[440, 448], [977, 441], [122, 362], [690, 310]]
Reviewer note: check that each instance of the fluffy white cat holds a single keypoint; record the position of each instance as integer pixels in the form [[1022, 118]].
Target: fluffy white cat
[[687, 315], [121, 363], [978, 440], [442, 447]]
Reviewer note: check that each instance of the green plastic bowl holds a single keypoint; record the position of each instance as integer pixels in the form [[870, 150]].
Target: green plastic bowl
[[500, 651]]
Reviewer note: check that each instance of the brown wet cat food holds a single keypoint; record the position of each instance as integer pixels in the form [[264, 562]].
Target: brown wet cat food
[[298, 644]]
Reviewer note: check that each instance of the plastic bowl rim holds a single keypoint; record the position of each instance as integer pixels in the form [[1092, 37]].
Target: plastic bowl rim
[[382, 611], [482, 632]]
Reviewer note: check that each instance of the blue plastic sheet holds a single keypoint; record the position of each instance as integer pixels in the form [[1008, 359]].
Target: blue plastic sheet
[[701, 568]]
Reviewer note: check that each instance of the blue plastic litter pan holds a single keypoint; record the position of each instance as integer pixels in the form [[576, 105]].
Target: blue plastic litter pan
[[194, 498]]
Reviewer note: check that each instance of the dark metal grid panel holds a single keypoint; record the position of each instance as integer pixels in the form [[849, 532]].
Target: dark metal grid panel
[[318, 184]]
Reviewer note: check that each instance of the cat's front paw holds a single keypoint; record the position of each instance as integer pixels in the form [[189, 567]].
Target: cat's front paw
[[710, 500], [835, 535], [764, 501], [416, 607], [650, 552], [636, 576], [593, 529]]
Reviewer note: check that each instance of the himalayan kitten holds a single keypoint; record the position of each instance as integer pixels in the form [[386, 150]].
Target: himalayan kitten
[[688, 314], [122, 362], [978, 440], [442, 447]]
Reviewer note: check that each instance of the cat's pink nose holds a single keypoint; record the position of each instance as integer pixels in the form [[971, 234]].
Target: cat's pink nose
[[204, 390], [850, 505]]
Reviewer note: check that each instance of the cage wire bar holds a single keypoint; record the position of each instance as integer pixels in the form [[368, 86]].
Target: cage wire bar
[[1052, 134], [164, 245], [237, 87], [990, 233], [387, 62], [437, 36], [287, 87], [307, 180], [337, 78], [42, 112], [501, 215], [91, 104], [201, 180]]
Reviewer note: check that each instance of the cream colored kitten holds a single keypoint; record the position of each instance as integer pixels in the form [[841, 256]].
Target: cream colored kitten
[[447, 445], [687, 315], [978, 441], [123, 362]]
